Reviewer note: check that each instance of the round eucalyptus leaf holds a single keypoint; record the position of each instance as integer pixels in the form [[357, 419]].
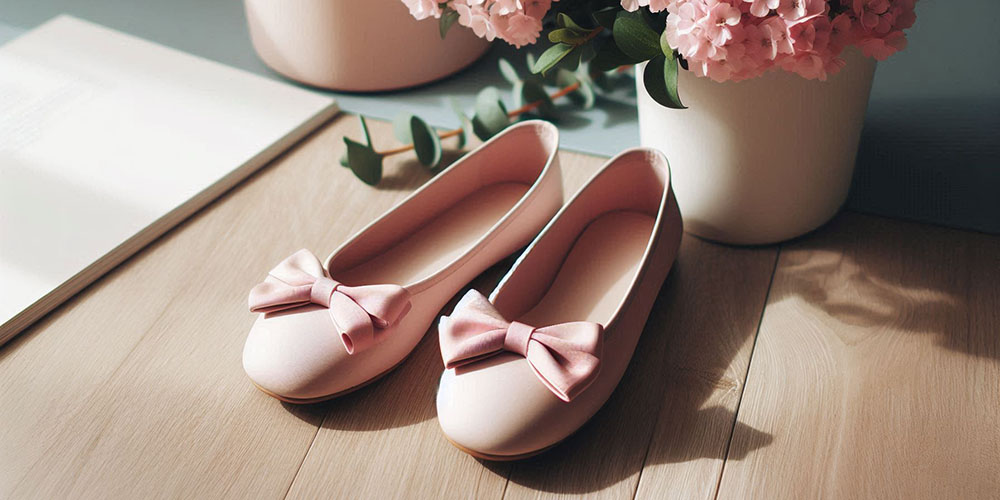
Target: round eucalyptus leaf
[[532, 91], [364, 162], [426, 142], [491, 115], [508, 71]]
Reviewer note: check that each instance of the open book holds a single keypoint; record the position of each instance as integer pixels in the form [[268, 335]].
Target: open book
[[107, 141]]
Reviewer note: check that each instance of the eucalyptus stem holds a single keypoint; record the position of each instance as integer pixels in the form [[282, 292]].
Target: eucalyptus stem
[[569, 89]]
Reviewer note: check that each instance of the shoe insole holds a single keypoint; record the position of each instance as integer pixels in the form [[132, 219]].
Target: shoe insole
[[595, 277], [439, 241]]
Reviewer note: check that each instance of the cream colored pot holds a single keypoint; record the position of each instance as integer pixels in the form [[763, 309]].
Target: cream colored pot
[[762, 160], [356, 45]]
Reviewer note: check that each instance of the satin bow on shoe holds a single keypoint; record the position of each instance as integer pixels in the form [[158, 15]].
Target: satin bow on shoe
[[356, 311], [565, 357]]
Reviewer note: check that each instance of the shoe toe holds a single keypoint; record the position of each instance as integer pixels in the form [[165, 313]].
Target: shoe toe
[[295, 355], [497, 408]]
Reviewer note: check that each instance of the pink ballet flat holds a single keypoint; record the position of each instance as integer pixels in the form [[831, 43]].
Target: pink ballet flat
[[527, 367], [328, 328]]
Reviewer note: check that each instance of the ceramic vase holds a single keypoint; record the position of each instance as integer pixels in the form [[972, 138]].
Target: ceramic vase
[[355, 45], [762, 160]]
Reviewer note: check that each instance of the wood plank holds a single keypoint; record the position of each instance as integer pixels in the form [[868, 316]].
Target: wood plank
[[690, 353], [136, 387], [877, 369], [411, 457], [711, 323]]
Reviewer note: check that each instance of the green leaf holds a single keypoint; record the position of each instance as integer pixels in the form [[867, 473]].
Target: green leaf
[[467, 132], [508, 71], [426, 142], [551, 57], [343, 159], [364, 162], [606, 17], [610, 57], [634, 37], [491, 115], [660, 79], [530, 91], [568, 36], [401, 127], [564, 21], [448, 18], [665, 45]]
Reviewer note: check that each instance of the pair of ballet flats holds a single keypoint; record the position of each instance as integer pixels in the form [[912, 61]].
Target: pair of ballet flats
[[526, 366]]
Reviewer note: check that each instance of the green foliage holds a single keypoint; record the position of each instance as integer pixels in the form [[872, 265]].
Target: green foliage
[[508, 72], [531, 91], [362, 158], [448, 18], [586, 58], [491, 115], [571, 44], [660, 79], [426, 143], [552, 57], [634, 36]]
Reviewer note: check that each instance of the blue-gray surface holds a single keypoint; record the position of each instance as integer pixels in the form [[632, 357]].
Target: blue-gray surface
[[930, 149]]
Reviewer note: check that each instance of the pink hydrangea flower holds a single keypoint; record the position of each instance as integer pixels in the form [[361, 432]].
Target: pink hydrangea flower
[[634, 5], [422, 9], [476, 18], [504, 7], [519, 29], [761, 8], [874, 15], [725, 40], [801, 10], [882, 48], [718, 21]]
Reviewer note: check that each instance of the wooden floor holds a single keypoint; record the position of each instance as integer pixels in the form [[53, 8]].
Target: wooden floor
[[859, 361]]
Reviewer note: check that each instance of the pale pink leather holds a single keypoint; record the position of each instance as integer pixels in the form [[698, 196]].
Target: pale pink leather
[[507, 189], [602, 259], [357, 312], [565, 357]]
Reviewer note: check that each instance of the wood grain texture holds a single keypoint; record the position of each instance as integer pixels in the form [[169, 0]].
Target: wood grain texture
[[875, 372], [710, 320], [136, 388], [877, 368]]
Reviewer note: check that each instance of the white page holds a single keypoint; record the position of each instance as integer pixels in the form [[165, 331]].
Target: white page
[[103, 134]]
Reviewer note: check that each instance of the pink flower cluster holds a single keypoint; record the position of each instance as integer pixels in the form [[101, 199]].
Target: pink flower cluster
[[740, 39], [518, 22]]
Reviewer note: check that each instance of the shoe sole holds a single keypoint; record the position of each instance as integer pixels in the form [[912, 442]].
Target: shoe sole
[[320, 399], [502, 458]]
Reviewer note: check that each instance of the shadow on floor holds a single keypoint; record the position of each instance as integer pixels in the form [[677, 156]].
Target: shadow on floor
[[664, 410], [894, 275]]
